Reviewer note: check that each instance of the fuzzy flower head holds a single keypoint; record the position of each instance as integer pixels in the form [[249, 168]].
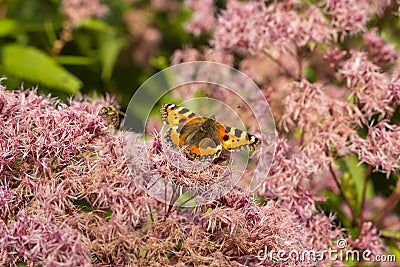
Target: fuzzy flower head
[[321, 119], [10, 202], [38, 239], [255, 26], [53, 157], [347, 15], [381, 147], [169, 174], [369, 87], [203, 19], [379, 50], [368, 239], [79, 10], [252, 228], [394, 88], [250, 26]]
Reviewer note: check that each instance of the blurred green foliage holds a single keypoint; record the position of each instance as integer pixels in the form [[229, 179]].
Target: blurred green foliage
[[98, 57]]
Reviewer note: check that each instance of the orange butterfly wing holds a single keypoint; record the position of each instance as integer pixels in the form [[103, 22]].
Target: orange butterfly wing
[[234, 139]]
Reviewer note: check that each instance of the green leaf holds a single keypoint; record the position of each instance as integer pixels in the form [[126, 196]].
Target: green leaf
[[142, 252], [159, 62], [8, 27], [298, 133], [83, 204], [108, 214], [358, 174], [353, 181], [32, 64], [74, 60], [259, 200], [349, 189], [96, 25], [394, 249], [390, 234], [333, 202], [110, 48], [187, 199]]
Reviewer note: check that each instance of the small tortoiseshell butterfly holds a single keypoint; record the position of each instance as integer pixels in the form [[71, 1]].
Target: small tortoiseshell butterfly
[[203, 138]]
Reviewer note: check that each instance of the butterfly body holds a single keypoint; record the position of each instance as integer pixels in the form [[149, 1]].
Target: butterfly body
[[201, 137]]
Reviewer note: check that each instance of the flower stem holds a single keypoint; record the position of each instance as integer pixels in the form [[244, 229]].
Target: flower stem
[[390, 204]]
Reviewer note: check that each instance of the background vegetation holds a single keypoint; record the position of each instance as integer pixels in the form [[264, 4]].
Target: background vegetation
[[330, 70]]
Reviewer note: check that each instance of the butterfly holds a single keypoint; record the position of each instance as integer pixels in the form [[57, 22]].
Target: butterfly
[[201, 137], [111, 115]]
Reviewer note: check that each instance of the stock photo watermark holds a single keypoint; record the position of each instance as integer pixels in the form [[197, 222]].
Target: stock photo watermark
[[340, 253]]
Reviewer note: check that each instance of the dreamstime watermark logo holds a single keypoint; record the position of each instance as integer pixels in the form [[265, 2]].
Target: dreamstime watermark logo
[[340, 253]]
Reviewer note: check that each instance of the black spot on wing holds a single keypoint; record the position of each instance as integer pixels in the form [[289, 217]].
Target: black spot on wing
[[227, 129], [238, 132], [183, 111], [172, 106], [225, 138], [182, 120], [191, 115], [248, 137]]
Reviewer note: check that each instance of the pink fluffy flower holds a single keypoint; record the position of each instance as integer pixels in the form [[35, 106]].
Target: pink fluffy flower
[[51, 155], [381, 147], [334, 56], [368, 85], [322, 120], [256, 26], [378, 49], [368, 239], [39, 239], [347, 15], [78, 10], [250, 26], [203, 19], [289, 178], [10, 201], [394, 87]]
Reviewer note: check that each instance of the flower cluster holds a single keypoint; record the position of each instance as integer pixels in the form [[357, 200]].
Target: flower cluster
[[380, 148], [75, 192], [79, 10], [348, 16], [368, 239], [322, 120], [68, 197], [280, 24], [64, 182], [203, 18], [379, 50], [368, 84], [332, 81]]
